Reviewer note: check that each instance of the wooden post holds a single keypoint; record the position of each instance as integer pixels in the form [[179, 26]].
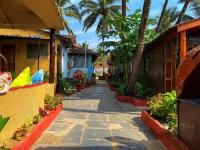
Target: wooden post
[[183, 45], [52, 56]]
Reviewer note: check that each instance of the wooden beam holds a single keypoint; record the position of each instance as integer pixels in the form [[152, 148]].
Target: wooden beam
[[52, 56], [183, 45], [188, 25]]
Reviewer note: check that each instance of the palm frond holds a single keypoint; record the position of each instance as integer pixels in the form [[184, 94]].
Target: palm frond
[[72, 11], [66, 24], [90, 20], [62, 3], [99, 26], [195, 6], [87, 4]]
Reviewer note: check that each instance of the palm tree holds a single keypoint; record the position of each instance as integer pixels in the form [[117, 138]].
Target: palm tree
[[170, 16], [182, 13], [85, 45], [195, 6], [162, 16], [68, 9], [140, 45], [99, 10], [124, 8]]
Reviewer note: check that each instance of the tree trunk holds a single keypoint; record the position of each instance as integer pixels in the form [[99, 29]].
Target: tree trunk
[[182, 13], [140, 46], [124, 8], [162, 16]]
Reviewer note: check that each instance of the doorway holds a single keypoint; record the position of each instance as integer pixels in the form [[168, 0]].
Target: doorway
[[8, 51]]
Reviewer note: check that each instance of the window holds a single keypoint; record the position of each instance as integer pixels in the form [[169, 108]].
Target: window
[[35, 50], [78, 61]]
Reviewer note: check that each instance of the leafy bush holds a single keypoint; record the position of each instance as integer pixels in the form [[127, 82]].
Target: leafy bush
[[122, 89], [36, 119], [141, 91], [68, 87], [172, 122], [164, 108], [51, 102]]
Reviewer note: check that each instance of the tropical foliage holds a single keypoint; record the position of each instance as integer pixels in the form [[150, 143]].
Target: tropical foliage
[[170, 17], [67, 9], [164, 108], [98, 10], [122, 39]]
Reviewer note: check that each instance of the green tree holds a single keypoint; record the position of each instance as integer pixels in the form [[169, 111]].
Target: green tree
[[67, 9], [162, 16], [182, 13], [195, 6], [140, 46], [170, 16], [123, 38], [85, 45], [99, 10]]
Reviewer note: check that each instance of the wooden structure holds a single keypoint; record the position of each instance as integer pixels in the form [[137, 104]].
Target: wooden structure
[[188, 92], [163, 55]]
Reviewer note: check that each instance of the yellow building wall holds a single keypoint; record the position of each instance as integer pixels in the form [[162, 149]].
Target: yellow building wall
[[21, 60], [21, 105]]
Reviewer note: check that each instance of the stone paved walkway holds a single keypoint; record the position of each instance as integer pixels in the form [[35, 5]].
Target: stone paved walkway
[[94, 120]]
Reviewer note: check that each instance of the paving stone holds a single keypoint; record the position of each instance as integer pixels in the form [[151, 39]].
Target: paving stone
[[97, 124], [58, 127], [97, 116], [92, 134], [94, 120], [74, 136], [97, 144]]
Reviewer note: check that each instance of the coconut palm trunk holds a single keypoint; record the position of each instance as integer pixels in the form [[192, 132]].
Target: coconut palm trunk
[[182, 13], [140, 46], [162, 16], [124, 8]]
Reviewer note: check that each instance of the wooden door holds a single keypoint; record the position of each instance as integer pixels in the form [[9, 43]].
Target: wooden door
[[8, 51]]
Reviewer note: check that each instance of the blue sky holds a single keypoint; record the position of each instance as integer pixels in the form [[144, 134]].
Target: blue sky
[[91, 37]]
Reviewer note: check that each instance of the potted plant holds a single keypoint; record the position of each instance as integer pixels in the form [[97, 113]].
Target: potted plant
[[79, 80]]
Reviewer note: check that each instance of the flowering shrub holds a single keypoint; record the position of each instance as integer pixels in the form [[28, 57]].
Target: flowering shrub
[[79, 78], [51, 102]]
